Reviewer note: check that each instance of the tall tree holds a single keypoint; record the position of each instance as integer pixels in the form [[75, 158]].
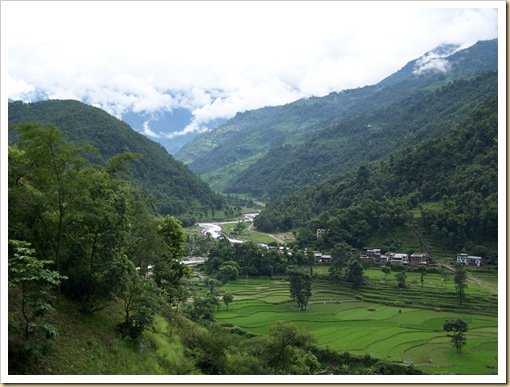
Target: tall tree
[[386, 270], [355, 273], [456, 331], [340, 256], [53, 180], [423, 272], [34, 280], [300, 287]]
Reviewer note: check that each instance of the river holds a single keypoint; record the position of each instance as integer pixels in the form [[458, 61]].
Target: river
[[214, 229]]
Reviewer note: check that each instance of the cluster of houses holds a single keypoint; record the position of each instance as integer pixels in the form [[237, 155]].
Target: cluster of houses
[[376, 258]]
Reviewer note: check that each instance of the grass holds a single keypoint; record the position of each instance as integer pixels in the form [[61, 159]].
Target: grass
[[410, 332], [89, 345]]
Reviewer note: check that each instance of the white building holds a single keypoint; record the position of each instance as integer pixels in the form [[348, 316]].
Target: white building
[[469, 260]]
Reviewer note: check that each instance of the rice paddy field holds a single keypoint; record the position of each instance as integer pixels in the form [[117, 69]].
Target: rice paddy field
[[381, 320]]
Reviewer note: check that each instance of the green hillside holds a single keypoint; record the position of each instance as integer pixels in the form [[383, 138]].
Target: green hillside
[[447, 186], [231, 156], [176, 190], [349, 142]]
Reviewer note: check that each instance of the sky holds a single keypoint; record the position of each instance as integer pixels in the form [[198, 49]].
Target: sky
[[219, 58]]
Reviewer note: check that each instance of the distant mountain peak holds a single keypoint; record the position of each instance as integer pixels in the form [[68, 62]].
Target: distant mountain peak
[[435, 60]]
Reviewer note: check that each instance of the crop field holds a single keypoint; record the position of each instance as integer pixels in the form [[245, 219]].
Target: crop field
[[381, 320]]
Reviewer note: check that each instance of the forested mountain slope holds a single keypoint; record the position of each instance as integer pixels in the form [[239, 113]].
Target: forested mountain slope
[[175, 188], [448, 186], [347, 143], [226, 152]]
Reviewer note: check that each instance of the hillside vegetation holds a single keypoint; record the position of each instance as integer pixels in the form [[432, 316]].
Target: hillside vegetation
[[458, 172], [175, 189], [313, 137]]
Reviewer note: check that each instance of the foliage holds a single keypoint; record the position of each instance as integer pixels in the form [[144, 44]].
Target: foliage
[[340, 256], [302, 142], [459, 170], [34, 281], [401, 278], [456, 331], [228, 298], [174, 188], [141, 300], [300, 284], [93, 227], [355, 272], [386, 270]]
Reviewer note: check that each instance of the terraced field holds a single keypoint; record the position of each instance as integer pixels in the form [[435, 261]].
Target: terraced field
[[380, 320]]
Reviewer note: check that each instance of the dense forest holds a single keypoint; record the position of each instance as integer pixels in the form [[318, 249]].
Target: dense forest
[[349, 142], [174, 188], [451, 181]]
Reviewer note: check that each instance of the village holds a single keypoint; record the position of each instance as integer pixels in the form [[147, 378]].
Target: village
[[374, 257]]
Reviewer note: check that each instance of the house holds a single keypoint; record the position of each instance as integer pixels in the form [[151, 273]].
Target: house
[[469, 260], [417, 259], [326, 258], [321, 232], [401, 258]]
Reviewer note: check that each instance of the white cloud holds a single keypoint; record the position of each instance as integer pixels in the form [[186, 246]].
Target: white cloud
[[147, 130], [219, 58]]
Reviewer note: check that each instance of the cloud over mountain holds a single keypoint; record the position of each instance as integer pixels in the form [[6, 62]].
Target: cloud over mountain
[[219, 58]]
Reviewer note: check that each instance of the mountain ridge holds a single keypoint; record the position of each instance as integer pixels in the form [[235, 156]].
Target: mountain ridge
[[221, 155], [175, 188]]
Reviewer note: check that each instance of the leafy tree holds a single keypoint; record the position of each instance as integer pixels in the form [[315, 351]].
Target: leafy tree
[[401, 279], [228, 298], [228, 271], [460, 279], [31, 284], [173, 234], [141, 299], [355, 273], [284, 350], [386, 270], [456, 331], [423, 272], [340, 256], [300, 283], [239, 228], [53, 180], [202, 308], [35, 281]]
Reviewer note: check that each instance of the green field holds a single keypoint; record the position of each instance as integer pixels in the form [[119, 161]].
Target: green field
[[380, 320]]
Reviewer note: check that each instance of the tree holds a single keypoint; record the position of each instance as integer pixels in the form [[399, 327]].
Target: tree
[[339, 255], [141, 299], [229, 271], [173, 234], [285, 350], [228, 298], [460, 279], [458, 328], [35, 282], [300, 287], [445, 276], [355, 271], [54, 182], [401, 279], [423, 272], [239, 228], [386, 270]]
